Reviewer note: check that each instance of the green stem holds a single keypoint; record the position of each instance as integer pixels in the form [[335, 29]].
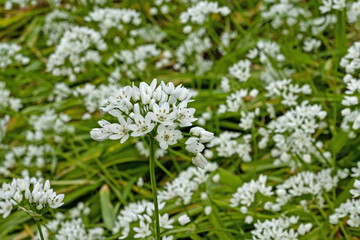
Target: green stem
[[39, 229], [153, 185]]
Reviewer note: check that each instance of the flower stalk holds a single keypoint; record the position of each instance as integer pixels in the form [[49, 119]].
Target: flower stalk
[[153, 186], [39, 229]]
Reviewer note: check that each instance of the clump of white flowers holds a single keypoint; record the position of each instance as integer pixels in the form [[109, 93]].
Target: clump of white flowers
[[349, 209], [351, 111], [307, 183], [353, 13], [94, 96], [135, 61], [7, 101], [184, 186], [153, 110], [49, 126], [9, 4], [241, 70], [328, 5], [56, 24], [189, 55], [71, 226], [245, 195], [30, 195], [78, 46], [199, 12], [237, 100], [9, 54], [311, 44], [265, 49], [280, 228], [230, 143], [293, 135], [287, 90], [108, 18], [280, 12]]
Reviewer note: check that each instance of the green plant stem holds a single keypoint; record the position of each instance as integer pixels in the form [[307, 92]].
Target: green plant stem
[[153, 186], [39, 228]]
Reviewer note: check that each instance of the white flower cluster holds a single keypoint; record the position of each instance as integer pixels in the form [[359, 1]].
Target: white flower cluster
[[9, 4], [149, 34], [350, 209], [265, 49], [135, 61], [25, 155], [191, 52], [307, 183], [351, 112], [56, 24], [328, 5], [93, 2], [241, 70], [186, 184], [280, 229], [94, 96], [9, 54], [356, 191], [353, 13], [287, 90], [162, 5], [281, 12], [108, 18], [237, 100], [78, 46], [156, 111], [226, 38], [293, 133], [61, 91], [136, 220], [7, 101], [199, 12], [245, 195], [30, 195], [75, 229], [71, 227], [311, 44], [49, 122], [229, 143]]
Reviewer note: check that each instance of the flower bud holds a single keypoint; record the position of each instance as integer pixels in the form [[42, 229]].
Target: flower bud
[[199, 161], [184, 219]]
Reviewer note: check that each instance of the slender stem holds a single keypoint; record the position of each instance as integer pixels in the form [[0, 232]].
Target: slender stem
[[39, 229], [153, 186]]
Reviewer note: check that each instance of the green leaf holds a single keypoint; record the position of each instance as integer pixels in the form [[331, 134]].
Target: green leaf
[[107, 209], [229, 179]]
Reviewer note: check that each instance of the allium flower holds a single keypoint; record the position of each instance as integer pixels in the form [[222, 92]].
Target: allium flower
[[22, 192], [167, 135], [156, 111]]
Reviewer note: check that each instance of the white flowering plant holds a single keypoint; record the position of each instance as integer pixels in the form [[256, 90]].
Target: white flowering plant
[[155, 112], [251, 128]]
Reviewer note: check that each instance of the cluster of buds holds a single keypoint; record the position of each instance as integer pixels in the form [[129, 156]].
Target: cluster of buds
[[30, 195], [158, 111]]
